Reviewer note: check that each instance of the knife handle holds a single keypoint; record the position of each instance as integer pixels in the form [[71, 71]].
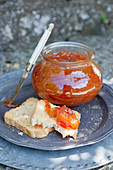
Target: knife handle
[[39, 47]]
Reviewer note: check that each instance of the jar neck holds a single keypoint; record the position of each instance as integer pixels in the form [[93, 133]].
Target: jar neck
[[55, 48]]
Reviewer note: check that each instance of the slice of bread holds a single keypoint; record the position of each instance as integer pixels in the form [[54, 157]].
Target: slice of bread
[[41, 117], [20, 117]]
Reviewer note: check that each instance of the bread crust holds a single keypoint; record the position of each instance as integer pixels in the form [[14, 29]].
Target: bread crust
[[20, 118]]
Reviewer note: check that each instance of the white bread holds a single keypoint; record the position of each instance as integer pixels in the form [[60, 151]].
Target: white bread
[[41, 117], [20, 117]]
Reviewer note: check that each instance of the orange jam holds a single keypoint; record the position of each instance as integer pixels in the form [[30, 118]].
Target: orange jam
[[64, 116], [67, 77]]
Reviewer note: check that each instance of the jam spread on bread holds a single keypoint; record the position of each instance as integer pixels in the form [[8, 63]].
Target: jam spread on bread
[[64, 116]]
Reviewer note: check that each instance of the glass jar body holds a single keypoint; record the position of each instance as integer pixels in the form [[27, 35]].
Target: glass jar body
[[68, 83]]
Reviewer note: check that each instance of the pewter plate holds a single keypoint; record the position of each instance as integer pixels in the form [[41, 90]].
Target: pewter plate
[[96, 120]]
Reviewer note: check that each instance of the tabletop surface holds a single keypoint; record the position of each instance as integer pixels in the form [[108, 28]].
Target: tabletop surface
[[88, 22]]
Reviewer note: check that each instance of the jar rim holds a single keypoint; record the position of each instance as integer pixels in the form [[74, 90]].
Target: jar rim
[[51, 46]]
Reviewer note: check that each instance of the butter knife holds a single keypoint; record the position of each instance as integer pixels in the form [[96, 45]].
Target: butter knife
[[9, 103]]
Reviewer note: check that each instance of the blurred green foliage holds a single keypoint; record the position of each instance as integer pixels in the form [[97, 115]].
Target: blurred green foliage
[[103, 17]]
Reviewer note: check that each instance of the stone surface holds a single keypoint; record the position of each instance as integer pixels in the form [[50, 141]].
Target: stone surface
[[23, 22]]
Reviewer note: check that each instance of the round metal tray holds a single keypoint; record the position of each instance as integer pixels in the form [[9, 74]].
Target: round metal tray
[[86, 157], [96, 119]]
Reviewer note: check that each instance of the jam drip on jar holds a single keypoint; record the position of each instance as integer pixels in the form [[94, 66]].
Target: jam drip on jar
[[64, 116]]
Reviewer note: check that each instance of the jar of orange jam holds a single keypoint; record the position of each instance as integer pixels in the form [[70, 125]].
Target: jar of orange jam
[[67, 74]]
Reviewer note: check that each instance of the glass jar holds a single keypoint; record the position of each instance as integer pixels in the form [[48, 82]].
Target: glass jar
[[67, 74]]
